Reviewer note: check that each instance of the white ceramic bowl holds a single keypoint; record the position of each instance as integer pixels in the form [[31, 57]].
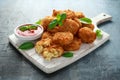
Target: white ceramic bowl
[[32, 37]]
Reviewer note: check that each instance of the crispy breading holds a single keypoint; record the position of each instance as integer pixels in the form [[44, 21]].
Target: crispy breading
[[55, 12], [91, 26], [75, 45], [70, 14], [71, 26], [46, 35], [78, 21], [63, 38], [79, 15], [45, 21], [86, 35]]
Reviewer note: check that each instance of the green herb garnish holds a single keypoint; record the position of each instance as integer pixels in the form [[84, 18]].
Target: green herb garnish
[[30, 27], [53, 24], [26, 46], [68, 54], [58, 21], [63, 16], [86, 20], [38, 22], [99, 34], [23, 28], [60, 18]]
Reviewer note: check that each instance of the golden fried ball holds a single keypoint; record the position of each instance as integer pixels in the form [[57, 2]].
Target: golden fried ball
[[75, 45], [45, 21], [79, 15], [46, 35], [70, 14], [55, 12], [78, 21], [86, 35], [91, 26], [71, 26], [63, 38]]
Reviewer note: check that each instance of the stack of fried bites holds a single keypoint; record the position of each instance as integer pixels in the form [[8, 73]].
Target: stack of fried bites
[[63, 31]]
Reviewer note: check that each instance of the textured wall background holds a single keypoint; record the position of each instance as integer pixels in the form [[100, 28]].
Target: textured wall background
[[101, 64]]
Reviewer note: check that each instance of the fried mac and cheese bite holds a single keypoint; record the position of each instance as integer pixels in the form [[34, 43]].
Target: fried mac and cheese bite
[[45, 21], [74, 45], [52, 51], [46, 35], [70, 14], [79, 15], [86, 35], [91, 26], [70, 26], [63, 38]]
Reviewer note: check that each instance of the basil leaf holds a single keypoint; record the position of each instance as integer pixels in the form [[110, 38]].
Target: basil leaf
[[53, 24], [26, 45], [63, 16], [38, 22], [99, 34], [68, 54], [23, 28], [32, 27], [60, 23], [86, 20], [58, 17]]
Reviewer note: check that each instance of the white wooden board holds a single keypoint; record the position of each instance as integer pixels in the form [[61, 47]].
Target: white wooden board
[[57, 63]]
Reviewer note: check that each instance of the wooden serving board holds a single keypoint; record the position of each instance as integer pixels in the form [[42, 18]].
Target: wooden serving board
[[58, 63]]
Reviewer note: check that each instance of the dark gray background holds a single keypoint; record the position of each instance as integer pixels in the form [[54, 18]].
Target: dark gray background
[[101, 64]]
